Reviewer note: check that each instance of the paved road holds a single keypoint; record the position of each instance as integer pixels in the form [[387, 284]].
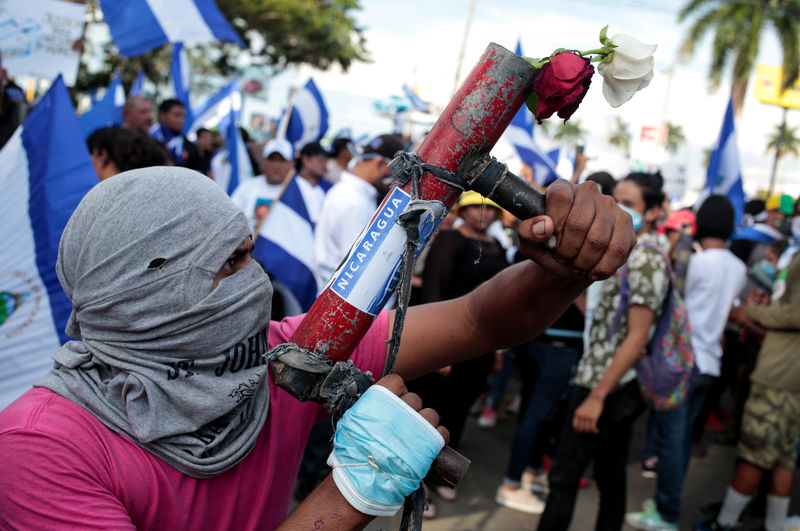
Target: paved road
[[475, 509]]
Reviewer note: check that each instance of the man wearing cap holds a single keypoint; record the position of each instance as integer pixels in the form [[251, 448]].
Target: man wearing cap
[[311, 166], [351, 203], [255, 195]]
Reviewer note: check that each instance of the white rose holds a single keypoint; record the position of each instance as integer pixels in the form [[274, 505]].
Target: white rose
[[630, 69]]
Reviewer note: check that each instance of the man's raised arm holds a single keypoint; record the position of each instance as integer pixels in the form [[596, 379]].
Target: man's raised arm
[[583, 237]]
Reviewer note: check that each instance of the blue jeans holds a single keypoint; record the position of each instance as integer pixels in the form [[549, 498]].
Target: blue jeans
[[556, 365], [498, 381], [672, 440]]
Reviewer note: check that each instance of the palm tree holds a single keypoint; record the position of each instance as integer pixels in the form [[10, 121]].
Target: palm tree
[[675, 137], [784, 141], [707, 152], [570, 134], [620, 136], [738, 28]]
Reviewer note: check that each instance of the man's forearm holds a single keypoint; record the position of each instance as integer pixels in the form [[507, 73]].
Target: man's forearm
[[325, 508], [514, 306]]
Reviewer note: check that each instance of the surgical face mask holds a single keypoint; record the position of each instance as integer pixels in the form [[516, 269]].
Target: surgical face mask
[[638, 219], [796, 227]]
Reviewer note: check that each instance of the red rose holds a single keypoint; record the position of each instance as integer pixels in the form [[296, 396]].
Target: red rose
[[561, 85]]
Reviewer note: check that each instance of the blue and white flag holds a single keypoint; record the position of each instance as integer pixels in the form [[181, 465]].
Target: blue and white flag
[[222, 110], [418, 103], [181, 80], [308, 120], [724, 175], [107, 111], [520, 134], [285, 245], [45, 171], [138, 26], [136, 88]]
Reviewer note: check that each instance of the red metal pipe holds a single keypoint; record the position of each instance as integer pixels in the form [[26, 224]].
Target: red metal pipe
[[464, 134]]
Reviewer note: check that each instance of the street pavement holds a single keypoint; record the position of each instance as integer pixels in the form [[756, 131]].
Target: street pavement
[[476, 510]]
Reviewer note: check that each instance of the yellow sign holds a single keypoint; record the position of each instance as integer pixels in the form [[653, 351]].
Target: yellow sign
[[768, 87]]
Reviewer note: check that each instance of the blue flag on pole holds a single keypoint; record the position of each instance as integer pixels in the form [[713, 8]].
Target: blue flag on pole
[[181, 80], [222, 110], [520, 133], [107, 111], [138, 26], [45, 171], [285, 245], [724, 175], [416, 102], [136, 88], [308, 121]]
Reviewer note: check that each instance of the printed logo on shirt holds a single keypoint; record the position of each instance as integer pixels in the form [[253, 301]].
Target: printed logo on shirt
[[245, 354]]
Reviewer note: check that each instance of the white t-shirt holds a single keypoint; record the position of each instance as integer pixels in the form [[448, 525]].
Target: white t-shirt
[[253, 192], [312, 197], [713, 280], [346, 210]]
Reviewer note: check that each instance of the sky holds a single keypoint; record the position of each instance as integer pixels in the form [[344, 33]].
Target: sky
[[419, 42]]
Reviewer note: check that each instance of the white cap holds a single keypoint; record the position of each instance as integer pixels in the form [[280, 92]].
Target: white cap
[[280, 146]]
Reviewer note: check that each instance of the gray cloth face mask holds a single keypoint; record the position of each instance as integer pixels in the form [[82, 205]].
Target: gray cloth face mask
[[163, 359]]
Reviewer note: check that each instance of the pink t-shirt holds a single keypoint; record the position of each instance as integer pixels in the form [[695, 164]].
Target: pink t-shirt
[[60, 468]]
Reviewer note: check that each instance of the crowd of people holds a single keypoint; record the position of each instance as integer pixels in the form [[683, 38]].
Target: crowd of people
[[566, 300]]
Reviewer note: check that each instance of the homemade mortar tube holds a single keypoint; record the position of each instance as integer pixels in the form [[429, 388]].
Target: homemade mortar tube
[[460, 140], [463, 136]]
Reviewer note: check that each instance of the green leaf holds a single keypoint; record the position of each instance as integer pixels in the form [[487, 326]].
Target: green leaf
[[603, 36], [532, 102]]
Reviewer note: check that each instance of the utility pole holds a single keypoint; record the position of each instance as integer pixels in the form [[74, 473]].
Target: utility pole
[[470, 10]]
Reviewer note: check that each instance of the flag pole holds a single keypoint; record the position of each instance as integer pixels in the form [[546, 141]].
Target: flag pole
[[281, 135]]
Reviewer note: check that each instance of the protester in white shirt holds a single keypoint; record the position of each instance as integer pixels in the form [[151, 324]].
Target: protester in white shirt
[[340, 157], [255, 195], [350, 204]]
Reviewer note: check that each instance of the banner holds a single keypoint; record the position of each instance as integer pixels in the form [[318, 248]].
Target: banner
[[36, 38], [768, 87]]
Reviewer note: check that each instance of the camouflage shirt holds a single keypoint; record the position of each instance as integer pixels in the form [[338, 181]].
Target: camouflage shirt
[[648, 280]]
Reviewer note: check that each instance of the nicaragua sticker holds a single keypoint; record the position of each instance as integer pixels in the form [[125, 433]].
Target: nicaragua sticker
[[369, 274]]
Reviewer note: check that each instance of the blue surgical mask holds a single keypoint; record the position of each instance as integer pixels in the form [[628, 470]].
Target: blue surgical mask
[[637, 218]]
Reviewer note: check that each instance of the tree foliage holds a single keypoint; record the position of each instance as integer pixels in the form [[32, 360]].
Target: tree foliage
[[675, 137], [737, 28], [620, 136], [569, 133], [785, 140], [277, 34]]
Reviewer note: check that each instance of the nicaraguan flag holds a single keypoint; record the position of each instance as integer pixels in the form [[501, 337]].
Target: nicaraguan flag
[[285, 246], [136, 88], [106, 112], [45, 171], [308, 120], [724, 175], [181, 80], [222, 111], [138, 26], [418, 103]]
